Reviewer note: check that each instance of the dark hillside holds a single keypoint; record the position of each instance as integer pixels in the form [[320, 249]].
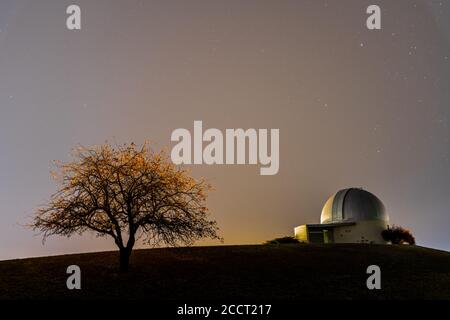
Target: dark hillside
[[237, 272]]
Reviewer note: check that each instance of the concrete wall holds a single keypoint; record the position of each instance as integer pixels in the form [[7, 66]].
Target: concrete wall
[[363, 232], [301, 233]]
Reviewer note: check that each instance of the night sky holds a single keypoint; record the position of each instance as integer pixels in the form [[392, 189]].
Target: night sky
[[355, 107]]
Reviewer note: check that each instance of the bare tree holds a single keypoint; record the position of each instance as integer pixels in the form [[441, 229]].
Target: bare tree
[[126, 193]]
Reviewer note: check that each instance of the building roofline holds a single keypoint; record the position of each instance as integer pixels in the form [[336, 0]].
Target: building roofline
[[331, 225]]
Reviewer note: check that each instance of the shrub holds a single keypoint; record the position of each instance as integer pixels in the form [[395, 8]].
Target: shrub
[[398, 235], [282, 240]]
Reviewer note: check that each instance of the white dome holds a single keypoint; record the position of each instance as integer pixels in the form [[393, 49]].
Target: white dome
[[353, 204]]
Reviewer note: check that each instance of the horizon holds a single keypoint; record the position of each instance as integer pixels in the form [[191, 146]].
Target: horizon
[[207, 246]]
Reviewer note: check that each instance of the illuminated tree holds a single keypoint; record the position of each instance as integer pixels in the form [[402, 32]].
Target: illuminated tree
[[127, 193]]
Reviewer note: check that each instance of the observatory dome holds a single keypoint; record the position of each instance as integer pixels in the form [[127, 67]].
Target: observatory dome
[[352, 205]]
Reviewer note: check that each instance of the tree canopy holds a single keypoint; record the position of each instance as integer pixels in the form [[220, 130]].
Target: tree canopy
[[127, 193]]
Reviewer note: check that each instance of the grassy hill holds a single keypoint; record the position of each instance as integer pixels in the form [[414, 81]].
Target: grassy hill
[[253, 272]]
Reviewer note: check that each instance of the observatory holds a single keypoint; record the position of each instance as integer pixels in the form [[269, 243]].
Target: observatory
[[349, 216]]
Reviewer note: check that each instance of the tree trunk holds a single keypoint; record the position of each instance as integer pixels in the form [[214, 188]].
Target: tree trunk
[[124, 259]]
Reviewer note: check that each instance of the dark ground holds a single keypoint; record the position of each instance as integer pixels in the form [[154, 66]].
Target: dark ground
[[268, 272]]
